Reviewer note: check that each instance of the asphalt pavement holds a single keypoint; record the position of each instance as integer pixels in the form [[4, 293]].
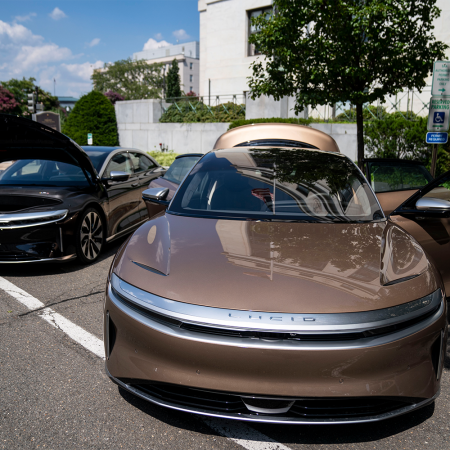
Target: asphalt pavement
[[54, 393]]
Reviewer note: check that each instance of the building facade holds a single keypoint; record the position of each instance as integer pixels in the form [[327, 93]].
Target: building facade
[[187, 56], [225, 55]]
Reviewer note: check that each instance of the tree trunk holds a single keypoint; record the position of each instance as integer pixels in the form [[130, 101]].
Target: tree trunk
[[360, 134]]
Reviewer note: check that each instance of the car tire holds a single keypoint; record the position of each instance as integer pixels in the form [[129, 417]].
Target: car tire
[[90, 236]]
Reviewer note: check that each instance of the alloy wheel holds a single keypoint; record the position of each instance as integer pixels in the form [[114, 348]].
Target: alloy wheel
[[91, 235]]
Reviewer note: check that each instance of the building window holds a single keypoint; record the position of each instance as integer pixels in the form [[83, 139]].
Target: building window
[[252, 29], [191, 89], [191, 78], [191, 65]]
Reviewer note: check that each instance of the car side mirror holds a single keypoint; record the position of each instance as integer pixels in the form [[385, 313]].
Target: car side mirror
[[430, 203], [117, 175], [156, 195]]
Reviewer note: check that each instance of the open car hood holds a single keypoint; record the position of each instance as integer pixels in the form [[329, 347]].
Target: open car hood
[[34, 139]]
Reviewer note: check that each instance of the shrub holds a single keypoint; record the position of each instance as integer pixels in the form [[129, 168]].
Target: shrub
[[114, 97], [398, 138], [8, 103], [182, 112], [95, 114], [165, 159], [239, 123]]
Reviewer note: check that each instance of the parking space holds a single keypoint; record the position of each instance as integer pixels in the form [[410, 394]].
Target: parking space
[[55, 393]]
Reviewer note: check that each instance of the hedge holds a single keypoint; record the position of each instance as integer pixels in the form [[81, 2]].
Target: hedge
[[95, 114], [239, 123]]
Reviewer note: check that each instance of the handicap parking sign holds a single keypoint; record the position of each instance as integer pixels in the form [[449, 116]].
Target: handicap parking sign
[[439, 117]]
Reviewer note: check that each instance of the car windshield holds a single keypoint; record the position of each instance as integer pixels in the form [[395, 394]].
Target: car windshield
[[277, 184], [388, 176], [41, 172], [97, 158], [179, 168]]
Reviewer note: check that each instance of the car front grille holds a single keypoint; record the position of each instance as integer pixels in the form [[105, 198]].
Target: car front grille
[[321, 409]]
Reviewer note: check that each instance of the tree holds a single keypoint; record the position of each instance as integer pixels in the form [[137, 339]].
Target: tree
[[173, 81], [95, 114], [21, 88], [133, 80], [8, 103], [397, 138], [328, 51]]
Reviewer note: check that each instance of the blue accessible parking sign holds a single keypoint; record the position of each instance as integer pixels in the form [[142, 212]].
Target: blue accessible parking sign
[[437, 138], [439, 117]]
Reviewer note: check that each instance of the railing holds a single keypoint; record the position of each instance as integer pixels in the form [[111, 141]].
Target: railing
[[408, 104]]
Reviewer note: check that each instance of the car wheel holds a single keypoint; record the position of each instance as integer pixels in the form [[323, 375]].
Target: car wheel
[[90, 236]]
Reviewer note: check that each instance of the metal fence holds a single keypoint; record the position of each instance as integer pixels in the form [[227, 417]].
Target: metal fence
[[409, 104]]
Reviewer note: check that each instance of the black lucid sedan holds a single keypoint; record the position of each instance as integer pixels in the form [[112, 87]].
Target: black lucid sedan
[[59, 201]]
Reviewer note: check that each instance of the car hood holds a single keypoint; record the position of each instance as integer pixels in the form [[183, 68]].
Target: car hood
[[25, 139], [275, 266]]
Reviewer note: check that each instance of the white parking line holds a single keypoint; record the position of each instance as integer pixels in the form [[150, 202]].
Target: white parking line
[[243, 435], [238, 432], [78, 334]]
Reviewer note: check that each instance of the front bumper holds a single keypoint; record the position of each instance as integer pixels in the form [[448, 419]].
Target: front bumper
[[343, 381], [36, 237]]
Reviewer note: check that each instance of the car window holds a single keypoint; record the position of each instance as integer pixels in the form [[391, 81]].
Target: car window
[[277, 184], [141, 163], [119, 162], [389, 176], [179, 168], [43, 173]]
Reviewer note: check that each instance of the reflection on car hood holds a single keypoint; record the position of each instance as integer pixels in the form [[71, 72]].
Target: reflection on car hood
[[34, 139], [276, 267]]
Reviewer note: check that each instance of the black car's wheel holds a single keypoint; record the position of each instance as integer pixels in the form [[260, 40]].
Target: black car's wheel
[[90, 236]]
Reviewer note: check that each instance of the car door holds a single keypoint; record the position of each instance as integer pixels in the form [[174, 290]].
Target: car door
[[426, 216], [123, 196], [146, 170]]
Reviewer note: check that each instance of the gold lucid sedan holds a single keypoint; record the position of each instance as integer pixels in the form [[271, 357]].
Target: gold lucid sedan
[[272, 288]]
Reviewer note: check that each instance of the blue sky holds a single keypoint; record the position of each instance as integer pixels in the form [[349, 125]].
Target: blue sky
[[66, 39]]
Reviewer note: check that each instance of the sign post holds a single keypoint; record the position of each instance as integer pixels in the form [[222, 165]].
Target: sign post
[[439, 114], [90, 140]]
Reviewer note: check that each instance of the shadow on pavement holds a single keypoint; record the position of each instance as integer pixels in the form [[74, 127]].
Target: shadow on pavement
[[293, 434]]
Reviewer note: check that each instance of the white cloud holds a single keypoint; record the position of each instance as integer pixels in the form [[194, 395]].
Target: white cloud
[[24, 54], [57, 14], [158, 36], [15, 33], [32, 56], [152, 44], [94, 42], [24, 18], [181, 35], [81, 71]]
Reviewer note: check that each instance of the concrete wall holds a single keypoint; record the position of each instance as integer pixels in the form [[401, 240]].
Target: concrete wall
[[344, 134], [179, 137], [267, 107], [139, 127]]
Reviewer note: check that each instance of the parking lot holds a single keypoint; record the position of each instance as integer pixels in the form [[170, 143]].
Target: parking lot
[[55, 394]]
